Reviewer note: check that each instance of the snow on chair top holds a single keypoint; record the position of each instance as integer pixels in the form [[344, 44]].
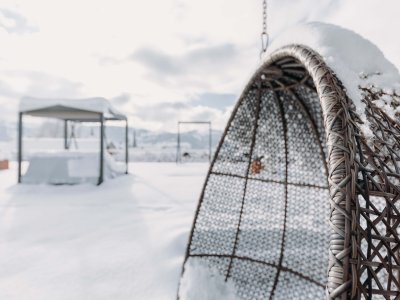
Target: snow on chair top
[[357, 63]]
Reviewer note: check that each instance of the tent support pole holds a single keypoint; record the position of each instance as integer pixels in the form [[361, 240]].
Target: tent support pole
[[101, 171], [126, 146], [65, 134], [20, 133], [210, 142], [178, 143]]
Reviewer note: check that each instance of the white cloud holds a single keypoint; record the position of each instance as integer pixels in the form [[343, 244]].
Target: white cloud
[[146, 53], [14, 23]]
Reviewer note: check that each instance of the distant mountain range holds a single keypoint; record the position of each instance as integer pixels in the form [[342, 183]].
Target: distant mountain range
[[143, 138], [194, 139]]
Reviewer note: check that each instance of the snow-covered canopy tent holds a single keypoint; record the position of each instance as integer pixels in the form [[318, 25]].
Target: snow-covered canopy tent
[[72, 110], [302, 198]]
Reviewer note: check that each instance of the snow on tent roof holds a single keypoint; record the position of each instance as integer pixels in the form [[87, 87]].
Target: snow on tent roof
[[356, 61], [89, 109]]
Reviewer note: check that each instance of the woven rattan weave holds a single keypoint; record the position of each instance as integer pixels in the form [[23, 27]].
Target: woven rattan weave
[[298, 203]]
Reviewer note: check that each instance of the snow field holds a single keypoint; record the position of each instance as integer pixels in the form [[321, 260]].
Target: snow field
[[123, 240]]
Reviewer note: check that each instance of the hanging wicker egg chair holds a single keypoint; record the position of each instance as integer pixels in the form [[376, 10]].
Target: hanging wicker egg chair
[[302, 198]]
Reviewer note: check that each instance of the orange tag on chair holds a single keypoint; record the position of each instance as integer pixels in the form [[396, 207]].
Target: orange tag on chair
[[256, 167]]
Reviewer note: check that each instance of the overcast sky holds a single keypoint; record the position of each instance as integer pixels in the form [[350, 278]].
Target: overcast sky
[[159, 61]]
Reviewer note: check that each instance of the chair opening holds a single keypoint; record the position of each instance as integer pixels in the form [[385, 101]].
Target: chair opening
[[262, 220]]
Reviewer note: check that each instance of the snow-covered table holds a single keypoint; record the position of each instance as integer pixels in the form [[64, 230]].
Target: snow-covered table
[[69, 167]]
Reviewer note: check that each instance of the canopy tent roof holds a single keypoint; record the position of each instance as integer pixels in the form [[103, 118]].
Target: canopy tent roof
[[83, 110]]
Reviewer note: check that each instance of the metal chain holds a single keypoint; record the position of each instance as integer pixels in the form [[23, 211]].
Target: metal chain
[[264, 33], [264, 16]]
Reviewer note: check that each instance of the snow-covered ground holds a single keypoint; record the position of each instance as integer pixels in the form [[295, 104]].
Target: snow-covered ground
[[123, 240]]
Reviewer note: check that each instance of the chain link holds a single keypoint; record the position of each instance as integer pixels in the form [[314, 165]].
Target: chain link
[[264, 33], [265, 16]]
